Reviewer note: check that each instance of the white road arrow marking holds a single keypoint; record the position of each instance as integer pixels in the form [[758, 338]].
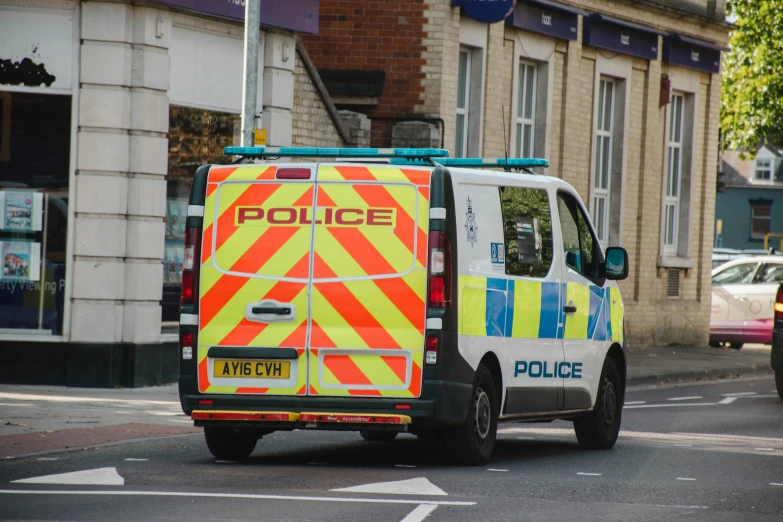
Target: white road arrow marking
[[728, 400], [91, 477], [414, 486], [420, 513]]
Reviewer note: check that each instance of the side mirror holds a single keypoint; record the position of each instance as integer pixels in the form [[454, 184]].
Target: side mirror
[[616, 263]]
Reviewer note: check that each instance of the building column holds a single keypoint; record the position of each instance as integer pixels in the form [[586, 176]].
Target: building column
[[278, 89], [120, 179]]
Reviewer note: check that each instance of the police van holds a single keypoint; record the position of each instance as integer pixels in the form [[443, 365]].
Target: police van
[[388, 291]]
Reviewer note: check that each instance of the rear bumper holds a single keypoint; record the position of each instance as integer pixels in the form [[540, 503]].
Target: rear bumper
[[442, 403]]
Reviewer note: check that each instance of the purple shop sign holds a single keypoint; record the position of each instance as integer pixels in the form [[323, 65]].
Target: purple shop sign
[[295, 15]]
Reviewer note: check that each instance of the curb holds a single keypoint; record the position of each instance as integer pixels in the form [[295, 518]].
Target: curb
[[699, 375]]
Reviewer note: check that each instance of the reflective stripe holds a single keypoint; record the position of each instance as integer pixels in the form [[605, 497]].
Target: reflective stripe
[[195, 211], [526, 309], [617, 313], [437, 213], [576, 323], [434, 323]]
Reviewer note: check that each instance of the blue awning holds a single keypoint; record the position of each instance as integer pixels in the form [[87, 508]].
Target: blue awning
[[621, 36], [548, 18], [693, 53]]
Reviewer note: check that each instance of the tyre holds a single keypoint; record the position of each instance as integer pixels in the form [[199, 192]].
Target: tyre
[[229, 443], [378, 436], [736, 346], [473, 442], [779, 382], [599, 428]]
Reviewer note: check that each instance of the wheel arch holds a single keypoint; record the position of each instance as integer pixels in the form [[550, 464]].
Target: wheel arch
[[491, 361]]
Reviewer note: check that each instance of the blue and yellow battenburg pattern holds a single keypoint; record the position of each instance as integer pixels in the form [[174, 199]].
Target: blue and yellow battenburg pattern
[[498, 307]]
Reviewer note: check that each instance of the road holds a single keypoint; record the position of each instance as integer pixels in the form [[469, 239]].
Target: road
[[711, 452]]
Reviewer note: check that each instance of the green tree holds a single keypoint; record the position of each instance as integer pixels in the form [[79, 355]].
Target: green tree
[[752, 93]]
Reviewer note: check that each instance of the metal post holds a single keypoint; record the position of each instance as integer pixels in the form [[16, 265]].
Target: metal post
[[250, 71]]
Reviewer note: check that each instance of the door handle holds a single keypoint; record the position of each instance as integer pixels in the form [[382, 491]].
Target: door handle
[[271, 310], [569, 309]]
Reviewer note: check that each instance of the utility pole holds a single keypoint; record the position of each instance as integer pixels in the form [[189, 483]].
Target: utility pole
[[250, 71]]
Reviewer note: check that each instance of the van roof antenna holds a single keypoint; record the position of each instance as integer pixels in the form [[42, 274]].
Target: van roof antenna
[[505, 141]]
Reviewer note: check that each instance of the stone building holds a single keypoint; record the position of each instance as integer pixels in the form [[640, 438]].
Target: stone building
[[621, 96], [106, 110]]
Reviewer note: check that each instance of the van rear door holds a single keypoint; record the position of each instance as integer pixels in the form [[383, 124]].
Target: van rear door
[[254, 280], [369, 281]]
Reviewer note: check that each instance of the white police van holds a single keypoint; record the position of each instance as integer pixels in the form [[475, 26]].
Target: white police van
[[418, 293]]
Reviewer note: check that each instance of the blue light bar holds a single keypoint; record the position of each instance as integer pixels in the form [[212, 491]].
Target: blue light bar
[[312, 152], [513, 163]]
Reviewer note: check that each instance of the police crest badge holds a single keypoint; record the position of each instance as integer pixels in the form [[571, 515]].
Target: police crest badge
[[470, 224]]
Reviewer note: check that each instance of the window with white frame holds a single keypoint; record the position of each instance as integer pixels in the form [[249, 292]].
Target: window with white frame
[[463, 103], [526, 109], [763, 171], [760, 219], [671, 209], [603, 158]]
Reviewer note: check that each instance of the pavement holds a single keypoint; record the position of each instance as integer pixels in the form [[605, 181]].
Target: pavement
[[35, 420]]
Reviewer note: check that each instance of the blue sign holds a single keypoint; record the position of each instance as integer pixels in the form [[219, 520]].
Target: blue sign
[[487, 11]]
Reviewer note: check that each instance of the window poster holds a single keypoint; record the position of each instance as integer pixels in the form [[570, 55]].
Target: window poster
[[21, 261], [21, 211]]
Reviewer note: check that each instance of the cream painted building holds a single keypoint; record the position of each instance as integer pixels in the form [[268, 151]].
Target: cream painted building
[[622, 97]]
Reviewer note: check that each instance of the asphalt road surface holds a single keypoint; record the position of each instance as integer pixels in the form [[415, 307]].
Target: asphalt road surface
[[711, 452]]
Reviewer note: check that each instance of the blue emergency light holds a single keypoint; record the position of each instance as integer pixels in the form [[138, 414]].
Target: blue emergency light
[[476, 163], [326, 152]]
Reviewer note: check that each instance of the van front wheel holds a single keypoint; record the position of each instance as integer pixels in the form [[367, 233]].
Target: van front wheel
[[599, 428], [473, 442], [229, 443]]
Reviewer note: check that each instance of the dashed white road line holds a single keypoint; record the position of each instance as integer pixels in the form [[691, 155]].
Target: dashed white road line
[[633, 403], [728, 400], [589, 474], [493, 469], [764, 449], [672, 405], [775, 484], [48, 458], [740, 394], [688, 479], [420, 513], [685, 445], [136, 460], [685, 398]]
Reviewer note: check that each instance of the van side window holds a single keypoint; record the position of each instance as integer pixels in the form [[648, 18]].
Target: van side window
[[579, 245], [527, 231]]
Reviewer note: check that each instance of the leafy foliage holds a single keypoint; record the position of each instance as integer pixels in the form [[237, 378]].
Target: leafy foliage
[[752, 93]]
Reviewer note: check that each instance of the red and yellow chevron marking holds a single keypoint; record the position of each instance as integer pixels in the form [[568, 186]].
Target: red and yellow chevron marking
[[363, 310], [244, 252]]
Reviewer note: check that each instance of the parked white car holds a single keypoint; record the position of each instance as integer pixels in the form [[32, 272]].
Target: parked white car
[[743, 297]]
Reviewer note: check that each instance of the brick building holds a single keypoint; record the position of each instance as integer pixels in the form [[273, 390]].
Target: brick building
[[621, 96]]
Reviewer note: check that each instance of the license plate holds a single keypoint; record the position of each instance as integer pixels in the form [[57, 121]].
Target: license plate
[[252, 369]]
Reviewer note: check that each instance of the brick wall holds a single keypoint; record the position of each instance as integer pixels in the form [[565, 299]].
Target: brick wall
[[372, 36], [312, 124]]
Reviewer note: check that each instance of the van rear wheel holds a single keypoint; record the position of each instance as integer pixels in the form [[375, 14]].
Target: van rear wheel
[[378, 436], [229, 443], [599, 428], [473, 442]]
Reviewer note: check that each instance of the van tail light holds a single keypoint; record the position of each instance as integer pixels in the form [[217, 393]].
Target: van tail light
[[431, 350], [779, 304], [439, 270], [190, 266]]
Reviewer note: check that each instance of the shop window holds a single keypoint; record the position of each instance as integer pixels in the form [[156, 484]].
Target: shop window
[[35, 143], [196, 137], [527, 231]]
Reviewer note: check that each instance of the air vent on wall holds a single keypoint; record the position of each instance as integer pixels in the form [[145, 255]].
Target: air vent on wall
[[673, 282]]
